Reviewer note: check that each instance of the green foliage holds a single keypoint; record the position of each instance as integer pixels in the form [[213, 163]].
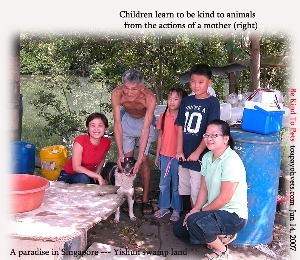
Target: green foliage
[[33, 126], [35, 59], [52, 105], [46, 120], [102, 59]]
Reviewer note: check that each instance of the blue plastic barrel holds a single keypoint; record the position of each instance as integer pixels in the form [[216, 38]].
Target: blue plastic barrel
[[23, 157], [261, 155]]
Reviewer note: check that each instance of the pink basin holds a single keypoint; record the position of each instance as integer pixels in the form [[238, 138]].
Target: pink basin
[[27, 192]]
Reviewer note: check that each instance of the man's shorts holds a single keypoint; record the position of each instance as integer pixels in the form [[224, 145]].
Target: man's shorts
[[132, 128], [189, 182]]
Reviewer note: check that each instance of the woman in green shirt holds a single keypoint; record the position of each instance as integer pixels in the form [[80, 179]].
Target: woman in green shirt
[[221, 208]]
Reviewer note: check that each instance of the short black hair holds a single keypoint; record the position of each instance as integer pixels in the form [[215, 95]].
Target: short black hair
[[225, 129], [180, 92], [96, 115], [201, 69]]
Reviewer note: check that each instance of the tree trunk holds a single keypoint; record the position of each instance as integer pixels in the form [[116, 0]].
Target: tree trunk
[[159, 99], [254, 62], [15, 105], [231, 76]]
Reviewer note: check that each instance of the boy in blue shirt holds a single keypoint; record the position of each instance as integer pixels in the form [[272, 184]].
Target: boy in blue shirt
[[195, 112]]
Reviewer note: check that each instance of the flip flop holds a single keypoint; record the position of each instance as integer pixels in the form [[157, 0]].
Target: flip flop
[[175, 216], [161, 212], [147, 208], [218, 255]]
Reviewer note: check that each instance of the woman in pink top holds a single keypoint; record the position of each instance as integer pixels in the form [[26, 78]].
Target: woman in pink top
[[88, 153], [165, 156]]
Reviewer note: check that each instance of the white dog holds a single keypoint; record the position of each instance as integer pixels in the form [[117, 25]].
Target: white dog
[[113, 176]]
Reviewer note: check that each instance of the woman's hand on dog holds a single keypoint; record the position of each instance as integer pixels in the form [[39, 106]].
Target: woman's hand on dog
[[100, 180]]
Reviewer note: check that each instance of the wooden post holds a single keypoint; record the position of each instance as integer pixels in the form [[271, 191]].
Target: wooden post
[[14, 79], [255, 62]]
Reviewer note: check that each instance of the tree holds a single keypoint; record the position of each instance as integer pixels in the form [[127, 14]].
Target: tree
[[16, 111], [61, 58], [255, 62]]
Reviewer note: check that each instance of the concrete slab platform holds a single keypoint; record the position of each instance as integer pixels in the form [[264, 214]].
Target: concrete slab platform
[[155, 235], [61, 223]]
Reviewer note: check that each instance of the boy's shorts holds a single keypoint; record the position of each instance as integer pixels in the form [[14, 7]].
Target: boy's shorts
[[189, 182], [132, 128]]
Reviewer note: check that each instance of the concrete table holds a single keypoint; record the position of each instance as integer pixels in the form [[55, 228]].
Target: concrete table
[[58, 228]]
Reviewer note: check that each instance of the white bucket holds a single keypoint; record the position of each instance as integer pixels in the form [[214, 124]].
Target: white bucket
[[225, 111], [237, 113]]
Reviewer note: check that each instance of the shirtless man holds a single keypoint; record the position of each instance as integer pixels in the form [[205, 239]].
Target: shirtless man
[[138, 104]]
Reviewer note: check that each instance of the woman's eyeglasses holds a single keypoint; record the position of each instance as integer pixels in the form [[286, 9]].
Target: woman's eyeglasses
[[211, 136]]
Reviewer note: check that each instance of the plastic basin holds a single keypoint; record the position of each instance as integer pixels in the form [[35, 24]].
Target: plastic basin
[[27, 192]]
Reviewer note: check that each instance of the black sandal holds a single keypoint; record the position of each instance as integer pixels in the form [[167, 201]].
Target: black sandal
[[147, 208]]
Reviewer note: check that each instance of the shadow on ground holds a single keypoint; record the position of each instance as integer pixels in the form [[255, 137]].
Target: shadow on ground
[[155, 236]]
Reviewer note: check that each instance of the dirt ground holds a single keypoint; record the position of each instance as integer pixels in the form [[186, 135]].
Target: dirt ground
[[128, 234]]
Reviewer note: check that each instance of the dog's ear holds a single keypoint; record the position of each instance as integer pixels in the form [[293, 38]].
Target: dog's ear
[[108, 173]]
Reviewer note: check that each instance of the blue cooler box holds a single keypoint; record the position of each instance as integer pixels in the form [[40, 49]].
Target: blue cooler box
[[261, 121], [23, 157]]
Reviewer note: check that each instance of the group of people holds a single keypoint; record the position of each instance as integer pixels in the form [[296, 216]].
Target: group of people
[[194, 154]]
